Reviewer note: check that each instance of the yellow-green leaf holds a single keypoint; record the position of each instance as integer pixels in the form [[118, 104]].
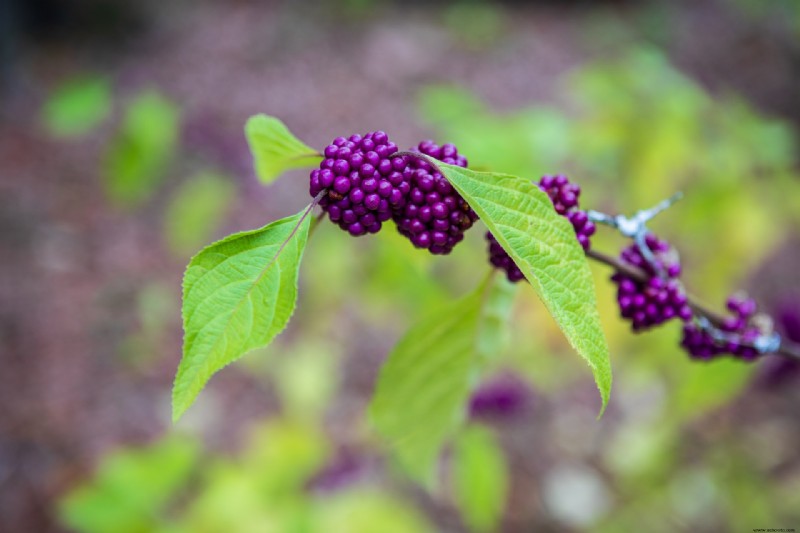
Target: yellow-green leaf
[[274, 148], [543, 244], [480, 478], [238, 294], [423, 387]]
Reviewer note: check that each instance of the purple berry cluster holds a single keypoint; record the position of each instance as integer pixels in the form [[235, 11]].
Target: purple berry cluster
[[500, 259], [364, 184], [650, 303], [434, 216], [565, 197], [741, 334]]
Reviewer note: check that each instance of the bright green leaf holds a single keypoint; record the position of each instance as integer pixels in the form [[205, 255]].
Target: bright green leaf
[[137, 158], [274, 148], [196, 211], [480, 479], [78, 106], [238, 294], [542, 243], [424, 384]]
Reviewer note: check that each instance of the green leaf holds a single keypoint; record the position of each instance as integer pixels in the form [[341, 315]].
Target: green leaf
[[424, 384], [493, 335], [274, 148], [78, 106], [480, 478], [196, 211], [138, 157], [238, 294], [542, 243]]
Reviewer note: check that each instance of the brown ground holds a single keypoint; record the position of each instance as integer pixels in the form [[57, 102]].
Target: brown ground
[[71, 265]]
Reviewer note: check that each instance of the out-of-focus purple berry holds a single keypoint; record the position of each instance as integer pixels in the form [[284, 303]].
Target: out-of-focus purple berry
[[650, 303], [565, 198], [501, 397], [780, 371], [345, 468], [500, 259], [701, 344]]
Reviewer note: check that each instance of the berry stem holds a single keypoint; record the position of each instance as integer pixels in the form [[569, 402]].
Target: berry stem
[[786, 349], [317, 219]]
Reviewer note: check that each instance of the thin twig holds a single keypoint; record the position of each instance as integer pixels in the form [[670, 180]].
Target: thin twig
[[786, 349]]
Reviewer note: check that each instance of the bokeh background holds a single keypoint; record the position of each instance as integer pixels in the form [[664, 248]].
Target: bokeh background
[[122, 153]]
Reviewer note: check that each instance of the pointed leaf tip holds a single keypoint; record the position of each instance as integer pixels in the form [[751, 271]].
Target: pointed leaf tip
[[275, 149], [238, 294], [543, 244]]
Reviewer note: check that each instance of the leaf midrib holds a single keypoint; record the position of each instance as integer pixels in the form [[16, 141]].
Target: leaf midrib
[[246, 296]]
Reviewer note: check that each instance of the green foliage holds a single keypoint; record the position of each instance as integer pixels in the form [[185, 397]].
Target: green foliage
[[196, 211], [477, 24], [285, 453], [238, 294], [542, 243], [368, 511], [494, 334], [522, 142], [638, 131], [306, 378], [424, 384], [263, 488], [708, 387], [480, 478], [77, 106], [137, 159], [131, 490], [274, 148], [171, 488]]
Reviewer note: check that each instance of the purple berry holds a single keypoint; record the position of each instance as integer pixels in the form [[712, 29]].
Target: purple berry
[[564, 196], [657, 300], [363, 182], [504, 396], [434, 215], [740, 333], [500, 259]]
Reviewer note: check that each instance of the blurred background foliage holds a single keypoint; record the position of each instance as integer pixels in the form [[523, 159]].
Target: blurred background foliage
[[136, 160]]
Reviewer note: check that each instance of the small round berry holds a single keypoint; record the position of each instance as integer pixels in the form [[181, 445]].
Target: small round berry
[[341, 185], [341, 167], [656, 300], [738, 334], [564, 196], [500, 259]]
